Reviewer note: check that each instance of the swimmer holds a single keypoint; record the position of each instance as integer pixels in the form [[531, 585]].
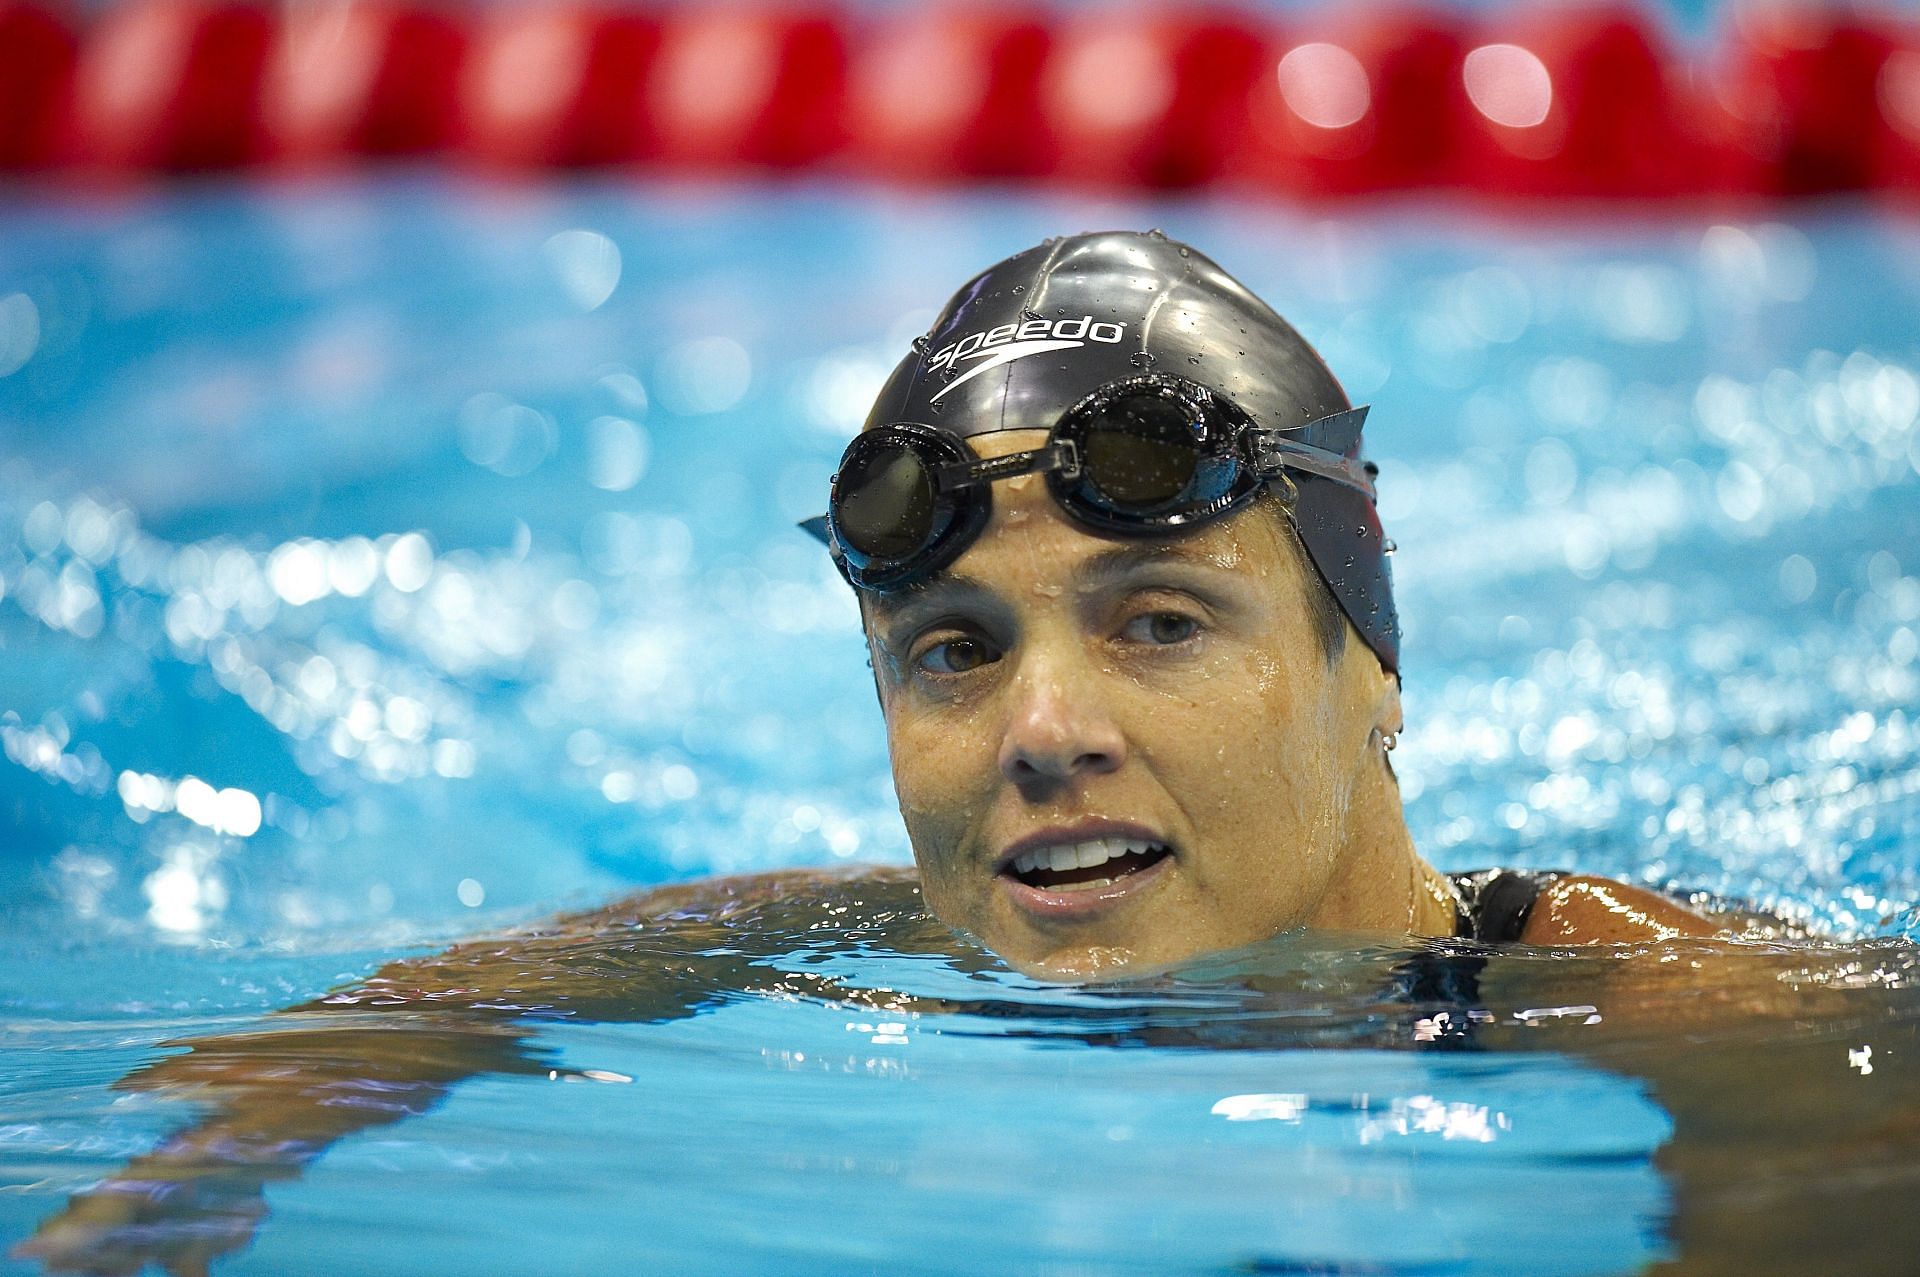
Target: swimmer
[[1127, 599], [1127, 602]]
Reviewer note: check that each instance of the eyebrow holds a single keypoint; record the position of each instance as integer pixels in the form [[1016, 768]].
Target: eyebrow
[[1125, 560], [944, 590]]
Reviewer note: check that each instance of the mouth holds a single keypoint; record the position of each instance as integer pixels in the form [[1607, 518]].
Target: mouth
[[1086, 866], [1061, 873]]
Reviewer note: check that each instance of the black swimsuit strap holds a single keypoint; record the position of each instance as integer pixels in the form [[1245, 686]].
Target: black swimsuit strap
[[1441, 980], [1495, 903]]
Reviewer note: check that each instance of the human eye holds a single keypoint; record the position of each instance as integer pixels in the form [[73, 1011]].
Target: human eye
[[1160, 627], [947, 654]]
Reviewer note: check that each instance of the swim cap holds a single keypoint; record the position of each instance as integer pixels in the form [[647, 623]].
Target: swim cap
[[1029, 338]]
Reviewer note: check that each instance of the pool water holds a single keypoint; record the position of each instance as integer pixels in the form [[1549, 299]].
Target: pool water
[[389, 561]]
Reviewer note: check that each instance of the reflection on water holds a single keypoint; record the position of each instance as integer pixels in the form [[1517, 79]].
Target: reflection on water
[[387, 563], [1274, 1109]]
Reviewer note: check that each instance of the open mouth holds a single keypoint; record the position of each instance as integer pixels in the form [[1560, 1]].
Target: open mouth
[[1086, 866]]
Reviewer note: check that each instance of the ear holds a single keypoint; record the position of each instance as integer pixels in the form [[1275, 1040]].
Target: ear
[[1372, 693], [1389, 719], [1386, 718]]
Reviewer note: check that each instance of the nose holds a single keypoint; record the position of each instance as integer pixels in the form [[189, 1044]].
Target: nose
[[1058, 731]]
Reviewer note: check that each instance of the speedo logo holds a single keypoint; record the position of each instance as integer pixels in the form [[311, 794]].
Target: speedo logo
[[1000, 346]]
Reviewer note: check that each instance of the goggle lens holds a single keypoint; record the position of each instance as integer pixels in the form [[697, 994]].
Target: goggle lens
[[885, 506], [1147, 454], [1139, 451]]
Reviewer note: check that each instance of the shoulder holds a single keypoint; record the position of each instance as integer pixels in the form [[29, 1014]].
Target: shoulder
[[1585, 909], [719, 899], [721, 918]]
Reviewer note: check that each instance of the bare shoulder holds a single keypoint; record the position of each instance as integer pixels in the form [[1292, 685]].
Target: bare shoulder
[[701, 932], [716, 899], [1585, 909]]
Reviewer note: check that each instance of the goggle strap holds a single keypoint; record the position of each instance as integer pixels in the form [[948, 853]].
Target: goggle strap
[[1273, 453], [1060, 455]]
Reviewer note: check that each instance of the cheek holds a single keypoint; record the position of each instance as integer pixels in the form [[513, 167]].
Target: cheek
[[943, 771], [1269, 764], [938, 779]]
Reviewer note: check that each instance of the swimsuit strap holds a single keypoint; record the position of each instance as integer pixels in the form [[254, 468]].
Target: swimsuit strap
[[1494, 903], [1440, 980]]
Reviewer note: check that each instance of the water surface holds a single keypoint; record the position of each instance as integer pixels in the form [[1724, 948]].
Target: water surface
[[390, 562]]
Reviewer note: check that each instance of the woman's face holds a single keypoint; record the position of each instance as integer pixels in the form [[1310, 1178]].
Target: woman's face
[[1122, 752]]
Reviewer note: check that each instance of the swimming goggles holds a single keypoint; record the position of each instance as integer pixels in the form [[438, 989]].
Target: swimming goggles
[[1147, 455]]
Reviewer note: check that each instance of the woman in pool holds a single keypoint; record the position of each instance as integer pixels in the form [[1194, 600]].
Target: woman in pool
[[1127, 602], [1128, 605]]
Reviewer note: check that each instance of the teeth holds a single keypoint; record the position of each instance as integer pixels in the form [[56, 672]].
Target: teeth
[[1079, 855]]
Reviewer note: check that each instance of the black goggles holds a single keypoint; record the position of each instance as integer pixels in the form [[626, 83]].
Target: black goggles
[[1148, 455]]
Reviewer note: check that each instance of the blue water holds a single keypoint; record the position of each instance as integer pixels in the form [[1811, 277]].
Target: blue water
[[393, 560]]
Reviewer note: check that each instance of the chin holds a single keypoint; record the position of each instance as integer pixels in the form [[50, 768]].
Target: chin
[[1085, 963]]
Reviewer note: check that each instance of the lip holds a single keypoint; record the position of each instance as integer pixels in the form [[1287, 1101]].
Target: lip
[[1084, 903]]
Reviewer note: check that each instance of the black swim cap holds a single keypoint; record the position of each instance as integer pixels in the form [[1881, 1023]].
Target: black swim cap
[[1029, 338]]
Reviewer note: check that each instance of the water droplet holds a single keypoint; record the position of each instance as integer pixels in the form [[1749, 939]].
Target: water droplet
[[920, 344], [1029, 313], [1185, 252], [1141, 359], [1389, 547], [1156, 233], [1193, 359], [1349, 560], [1018, 289], [935, 407], [1360, 531]]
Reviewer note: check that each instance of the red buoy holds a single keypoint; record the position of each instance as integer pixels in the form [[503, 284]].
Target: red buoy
[[1897, 95], [737, 85], [951, 92], [171, 84], [1577, 102], [37, 49], [360, 77], [1799, 88], [560, 85], [1149, 97], [1357, 102]]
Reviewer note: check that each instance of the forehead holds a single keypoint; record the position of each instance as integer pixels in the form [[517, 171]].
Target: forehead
[[1031, 544]]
